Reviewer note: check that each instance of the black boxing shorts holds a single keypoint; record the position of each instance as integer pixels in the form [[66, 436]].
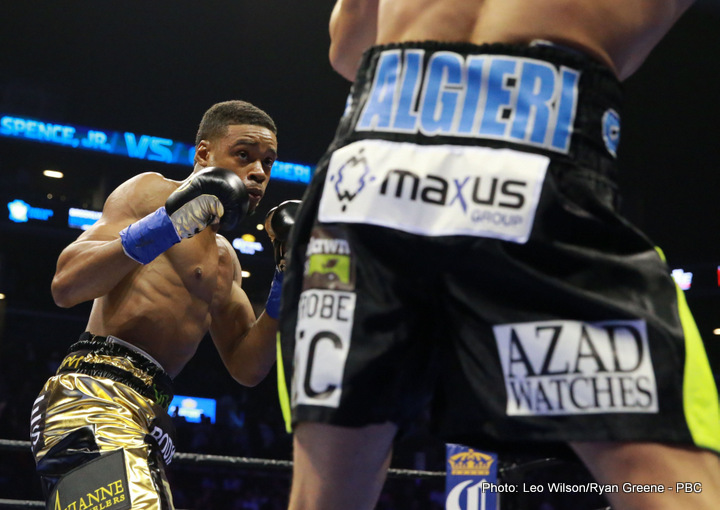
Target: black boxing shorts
[[100, 431], [460, 247]]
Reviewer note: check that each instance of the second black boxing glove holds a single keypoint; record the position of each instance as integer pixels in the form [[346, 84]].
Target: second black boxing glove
[[278, 222]]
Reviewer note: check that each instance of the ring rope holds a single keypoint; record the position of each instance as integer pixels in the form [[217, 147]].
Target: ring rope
[[14, 445], [286, 465], [226, 460], [20, 503]]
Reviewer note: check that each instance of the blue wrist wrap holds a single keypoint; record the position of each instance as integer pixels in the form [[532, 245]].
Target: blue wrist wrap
[[272, 307], [149, 237]]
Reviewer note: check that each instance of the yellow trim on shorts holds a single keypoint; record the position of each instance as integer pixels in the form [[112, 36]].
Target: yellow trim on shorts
[[700, 394], [282, 388]]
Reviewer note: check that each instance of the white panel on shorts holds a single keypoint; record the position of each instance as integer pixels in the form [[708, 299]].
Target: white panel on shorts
[[322, 343], [571, 367], [434, 190]]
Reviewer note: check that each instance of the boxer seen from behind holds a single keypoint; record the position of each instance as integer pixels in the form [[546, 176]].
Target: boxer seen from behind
[[160, 277], [480, 261]]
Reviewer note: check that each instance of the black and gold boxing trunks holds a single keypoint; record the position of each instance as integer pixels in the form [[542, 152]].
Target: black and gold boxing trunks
[[100, 430]]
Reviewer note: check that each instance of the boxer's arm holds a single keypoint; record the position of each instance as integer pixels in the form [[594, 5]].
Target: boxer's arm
[[102, 256], [246, 344], [95, 262], [353, 29]]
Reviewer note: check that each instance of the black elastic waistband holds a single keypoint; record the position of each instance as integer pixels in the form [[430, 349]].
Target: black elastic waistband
[[538, 98], [159, 391]]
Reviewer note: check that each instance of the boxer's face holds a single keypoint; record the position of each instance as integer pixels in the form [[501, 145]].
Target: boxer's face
[[245, 149]]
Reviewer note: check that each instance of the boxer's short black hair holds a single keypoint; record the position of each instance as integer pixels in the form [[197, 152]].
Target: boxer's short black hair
[[221, 115]]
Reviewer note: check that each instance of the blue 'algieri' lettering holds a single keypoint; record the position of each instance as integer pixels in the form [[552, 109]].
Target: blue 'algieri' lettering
[[445, 71], [498, 95], [566, 110], [482, 96], [406, 118], [537, 87], [472, 95], [379, 108]]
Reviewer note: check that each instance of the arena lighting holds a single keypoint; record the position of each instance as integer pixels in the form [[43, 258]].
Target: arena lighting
[[245, 274], [193, 408], [683, 279], [260, 226], [131, 145], [716, 331], [82, 218], [53, 174], [247, 245], [2, 296], [20, 212]]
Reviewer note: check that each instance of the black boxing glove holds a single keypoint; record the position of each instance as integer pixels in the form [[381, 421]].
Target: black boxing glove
[[207, 197], [210, 196], [278, 222]]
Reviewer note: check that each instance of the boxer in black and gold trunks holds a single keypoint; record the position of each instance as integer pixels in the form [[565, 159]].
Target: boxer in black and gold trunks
[[460, 246], [161, 277], [108, 395]]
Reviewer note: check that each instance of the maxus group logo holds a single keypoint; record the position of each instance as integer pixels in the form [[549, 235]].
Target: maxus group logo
[[354, 176], [435, 189], [351, 178]]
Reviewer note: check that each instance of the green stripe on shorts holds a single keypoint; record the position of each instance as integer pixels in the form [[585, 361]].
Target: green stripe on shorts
[[283, 389], [700, 395]]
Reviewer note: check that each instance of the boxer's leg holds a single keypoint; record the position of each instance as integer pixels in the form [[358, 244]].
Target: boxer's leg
[[658, 465], [338, 467]]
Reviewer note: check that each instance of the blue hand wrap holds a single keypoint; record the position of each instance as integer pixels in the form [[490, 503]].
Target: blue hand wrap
[[147, 238], [272, 307]]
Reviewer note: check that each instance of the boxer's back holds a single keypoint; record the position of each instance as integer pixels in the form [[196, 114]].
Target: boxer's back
[[620, 33]]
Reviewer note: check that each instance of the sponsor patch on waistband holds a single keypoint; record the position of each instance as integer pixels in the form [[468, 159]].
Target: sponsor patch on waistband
[[571, 367], [434, 190]]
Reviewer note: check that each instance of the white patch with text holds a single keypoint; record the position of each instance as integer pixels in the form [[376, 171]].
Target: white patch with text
[[571, 367], [322, 343], [435, 190]]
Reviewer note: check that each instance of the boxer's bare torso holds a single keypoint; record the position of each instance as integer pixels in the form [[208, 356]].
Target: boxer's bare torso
[[620, 33], [164, 307]]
